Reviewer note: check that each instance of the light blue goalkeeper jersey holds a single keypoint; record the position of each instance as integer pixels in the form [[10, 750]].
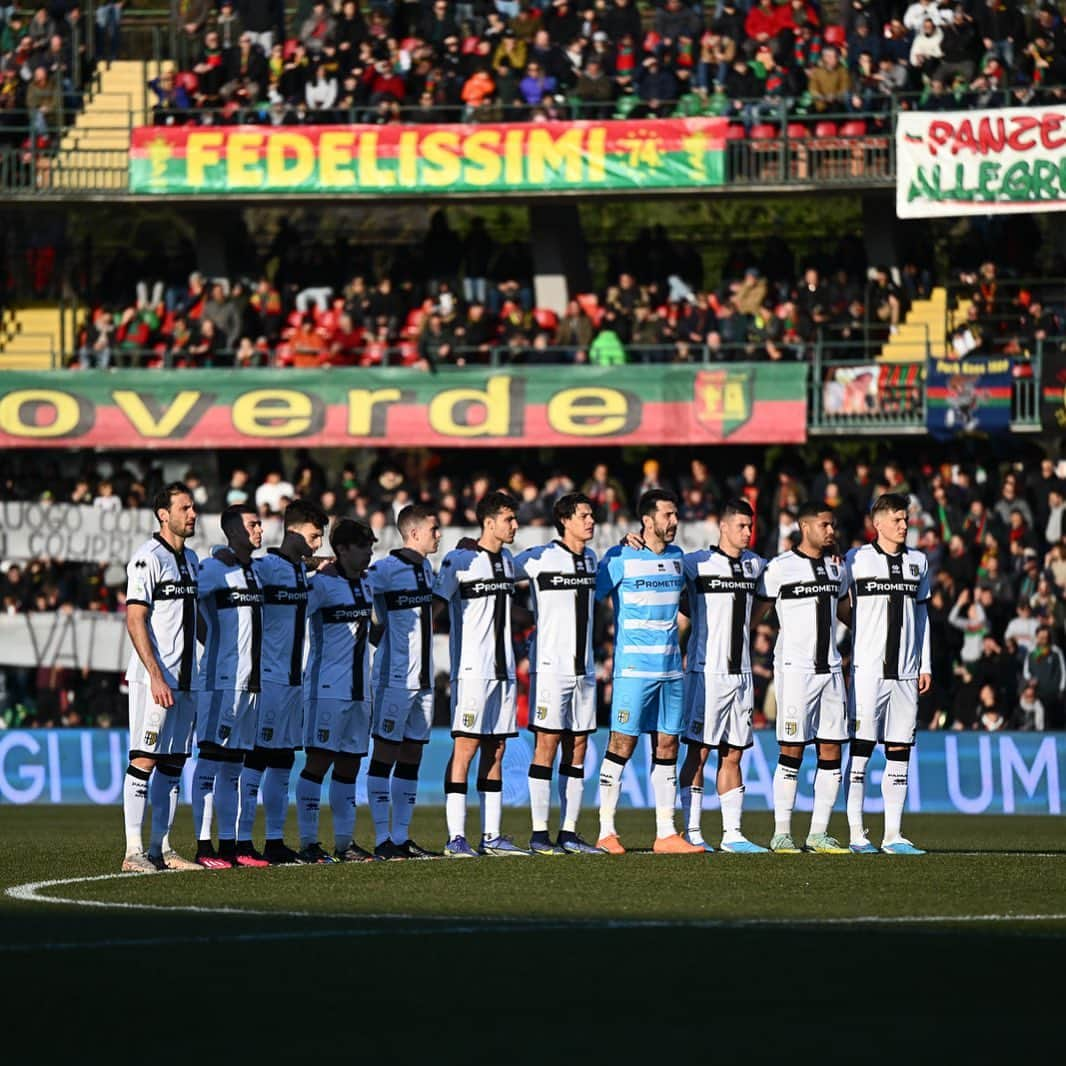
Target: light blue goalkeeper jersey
[[645, 590]]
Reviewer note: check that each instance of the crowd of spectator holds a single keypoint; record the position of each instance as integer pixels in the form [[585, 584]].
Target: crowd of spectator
[[994, 532], [515, 60], [47, 54], [464, 298]]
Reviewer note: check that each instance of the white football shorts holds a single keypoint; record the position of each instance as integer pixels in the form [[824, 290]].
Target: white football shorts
[[718, 709], [560, 704], [810, 706], [156, 730]]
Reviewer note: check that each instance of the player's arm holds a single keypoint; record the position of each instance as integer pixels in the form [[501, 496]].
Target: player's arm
[[446, 586], [765, 596], [609, 573], [137, 620], [141, 577], [846, 592], [921, 618]]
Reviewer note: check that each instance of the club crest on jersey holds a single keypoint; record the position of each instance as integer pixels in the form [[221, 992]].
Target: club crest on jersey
[[388, 724], [542, 713], [623, 717], [151, 738], [323, 736], [746, 566], [677, 567], [468, 720], [790, 729], [267, 734], [913, 567]]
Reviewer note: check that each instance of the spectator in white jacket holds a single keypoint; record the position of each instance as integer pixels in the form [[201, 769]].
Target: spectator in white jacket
[[321, 93], [925, 49]]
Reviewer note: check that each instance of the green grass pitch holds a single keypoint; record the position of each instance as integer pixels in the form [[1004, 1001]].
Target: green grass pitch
[[597, 960]]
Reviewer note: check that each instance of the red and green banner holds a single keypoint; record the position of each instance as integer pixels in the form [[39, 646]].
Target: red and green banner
[[428, 160], [742, 403], [968, 395]]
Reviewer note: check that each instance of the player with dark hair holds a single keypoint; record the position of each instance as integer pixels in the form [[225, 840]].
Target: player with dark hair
[[889, 595], [336, 729], [562, 678], [719, 692], [161, 621], [283, 578], [477, 583], [402, 586], [806, 585], [645, 586], [227, 714]]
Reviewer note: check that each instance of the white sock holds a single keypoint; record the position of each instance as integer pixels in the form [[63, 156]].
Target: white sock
[[404, 796], [491, 795], [134, 804], [732, 805], [664, 789], [610, 789], [163, 796], [856, 793], [308, 802], [692, 811], [378, 797], [342, 804], [571, 793], [275, 801], [249, 801], [540, 796], [786, 781], [203, 798], [227, 784], [455, 810], [826, 790], [894, 793]]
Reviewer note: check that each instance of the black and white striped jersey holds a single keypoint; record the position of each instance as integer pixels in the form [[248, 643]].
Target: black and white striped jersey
[[478, 586], [285, 586], [563, 589], [890, 634], [402, 586], [231, 605], [805, 591], [164, 581], [338, 660], [721, 591]]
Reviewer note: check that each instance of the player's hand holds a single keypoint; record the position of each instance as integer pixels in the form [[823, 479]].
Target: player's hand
[[320, 562], [161, 694], [925, 683], [634, 541]]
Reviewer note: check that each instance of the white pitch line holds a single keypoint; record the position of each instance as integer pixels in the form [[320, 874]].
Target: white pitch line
[[439, 924]]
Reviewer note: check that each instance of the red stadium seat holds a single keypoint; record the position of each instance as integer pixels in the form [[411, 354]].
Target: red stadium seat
[[589, 303], [546, 319], [825, 129], [834, 35], [797, 131], [854, 128], [763, 132], [735, 133]]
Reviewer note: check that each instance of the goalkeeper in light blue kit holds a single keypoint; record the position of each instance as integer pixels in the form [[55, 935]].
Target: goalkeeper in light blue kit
[[645, 585]]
